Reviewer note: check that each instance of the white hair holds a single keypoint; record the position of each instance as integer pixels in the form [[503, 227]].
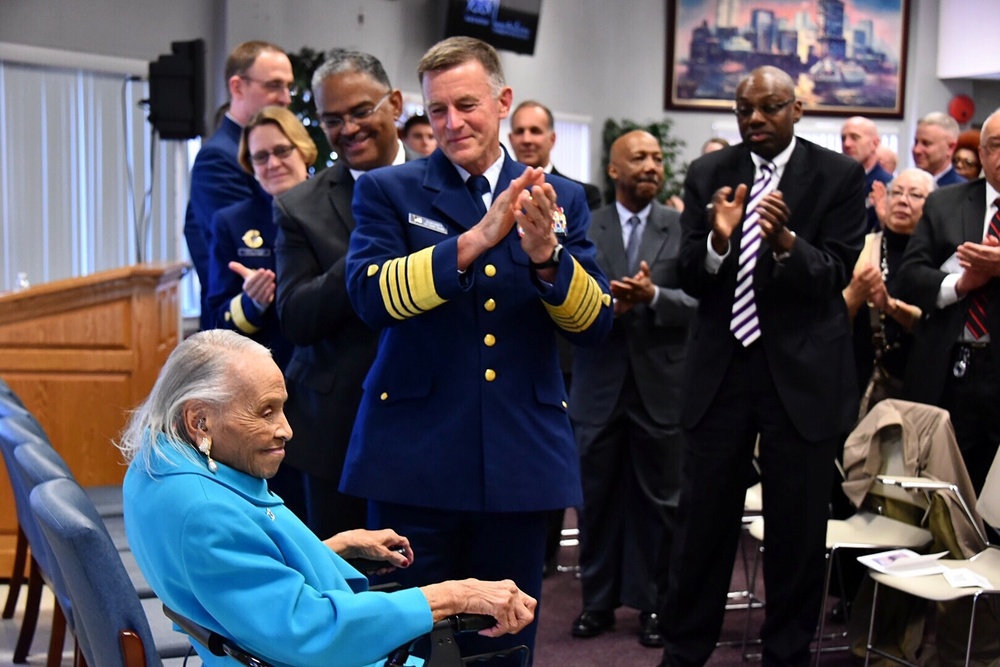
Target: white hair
[[200, 368]]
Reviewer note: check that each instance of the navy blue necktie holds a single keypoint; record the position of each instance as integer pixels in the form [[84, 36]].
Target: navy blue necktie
[[478, 186]]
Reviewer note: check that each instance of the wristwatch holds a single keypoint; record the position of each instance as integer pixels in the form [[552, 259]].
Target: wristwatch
[[551, 261]]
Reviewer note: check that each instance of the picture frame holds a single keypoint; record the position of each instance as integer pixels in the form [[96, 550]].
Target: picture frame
[[848, 57]]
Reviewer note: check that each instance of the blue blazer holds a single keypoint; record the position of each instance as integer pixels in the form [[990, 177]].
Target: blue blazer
[[245, 233], [464, 407], [217, 181], [951, 177], [219, 548]]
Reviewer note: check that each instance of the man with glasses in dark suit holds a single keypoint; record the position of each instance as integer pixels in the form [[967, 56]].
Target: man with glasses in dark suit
[[770, 354], [258, 74], [358, 108]]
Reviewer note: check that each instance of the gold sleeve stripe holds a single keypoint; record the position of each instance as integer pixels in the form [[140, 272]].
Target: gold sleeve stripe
[[407, 284], [239, 317], [582, 304]]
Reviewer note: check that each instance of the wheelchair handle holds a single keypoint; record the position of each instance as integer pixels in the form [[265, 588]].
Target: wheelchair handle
[[460, 623]]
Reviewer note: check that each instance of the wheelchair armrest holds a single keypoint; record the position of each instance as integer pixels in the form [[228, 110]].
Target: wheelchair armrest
[[213, 641]]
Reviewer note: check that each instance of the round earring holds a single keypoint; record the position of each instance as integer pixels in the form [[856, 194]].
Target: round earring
[[205, 447]]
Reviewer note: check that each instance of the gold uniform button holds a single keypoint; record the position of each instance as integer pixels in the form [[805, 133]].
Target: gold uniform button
[[606, 299], [564, 404], [384, 395], [490, 340], [228, 316], [490, 305], [490, 375], [490, 270], [372, 270]]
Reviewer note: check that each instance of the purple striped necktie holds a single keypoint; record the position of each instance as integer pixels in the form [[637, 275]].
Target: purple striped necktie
[[744, 323], [975, 320]]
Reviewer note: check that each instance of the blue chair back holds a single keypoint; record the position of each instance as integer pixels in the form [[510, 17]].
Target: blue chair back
[[23, 418], [7, 394], [32, 466], [103, 598]]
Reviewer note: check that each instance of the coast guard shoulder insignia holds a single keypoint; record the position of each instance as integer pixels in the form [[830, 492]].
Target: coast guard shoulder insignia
[[253, 239]]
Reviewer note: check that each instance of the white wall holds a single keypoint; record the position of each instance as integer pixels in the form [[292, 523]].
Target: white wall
[[593, 58]]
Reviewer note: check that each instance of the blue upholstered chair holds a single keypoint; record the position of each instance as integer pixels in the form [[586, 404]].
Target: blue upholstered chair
[[41, 566], [114, 628]]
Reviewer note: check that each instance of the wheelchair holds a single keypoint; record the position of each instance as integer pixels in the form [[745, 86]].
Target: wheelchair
[[443, 647]]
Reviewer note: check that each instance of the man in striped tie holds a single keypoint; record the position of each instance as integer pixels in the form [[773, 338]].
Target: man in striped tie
[[772, 228], [949, 270]]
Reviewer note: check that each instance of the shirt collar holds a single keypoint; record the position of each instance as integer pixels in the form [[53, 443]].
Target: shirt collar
[[779, 161], [492, 172], [991, 196], [624, 214], [399, 159]]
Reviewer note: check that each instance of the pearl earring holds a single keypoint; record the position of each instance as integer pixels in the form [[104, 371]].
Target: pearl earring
[[205, 447]]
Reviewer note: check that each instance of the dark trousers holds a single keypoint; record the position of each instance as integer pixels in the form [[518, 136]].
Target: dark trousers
[[457, 545], [974, 404], [630, 470], [795, 474]]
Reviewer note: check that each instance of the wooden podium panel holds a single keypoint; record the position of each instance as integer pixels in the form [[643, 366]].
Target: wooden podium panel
[[81, 353]]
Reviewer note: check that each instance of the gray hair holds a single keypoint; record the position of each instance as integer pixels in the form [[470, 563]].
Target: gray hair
[[200, 368], [339, 61], [928, 180], [942, 120], [455, 51]]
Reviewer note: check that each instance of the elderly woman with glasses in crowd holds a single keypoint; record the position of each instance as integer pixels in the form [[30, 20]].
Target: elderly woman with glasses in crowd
[[220, 549], [883, 325], [277, 150]]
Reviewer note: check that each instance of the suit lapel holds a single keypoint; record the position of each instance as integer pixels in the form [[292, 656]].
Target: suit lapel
[[655, 235], [974, 213], [451, 197], [340, 193], [795, 181], [608, 237]]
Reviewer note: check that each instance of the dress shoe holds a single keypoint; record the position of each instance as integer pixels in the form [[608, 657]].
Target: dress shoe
[[649, 630], [593, 623]]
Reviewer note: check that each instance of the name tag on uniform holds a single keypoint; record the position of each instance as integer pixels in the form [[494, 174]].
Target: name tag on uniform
[[427, 223]]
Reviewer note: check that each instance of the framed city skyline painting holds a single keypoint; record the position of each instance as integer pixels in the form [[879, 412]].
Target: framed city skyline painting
[[847, 57]]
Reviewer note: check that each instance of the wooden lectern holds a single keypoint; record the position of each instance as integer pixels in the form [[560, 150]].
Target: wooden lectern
[[81, 353]]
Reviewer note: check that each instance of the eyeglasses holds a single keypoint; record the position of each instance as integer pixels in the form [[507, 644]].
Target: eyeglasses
[[280, 152], [911, 196], [336, 121], [746, 110], [274, 85], [965, 162]]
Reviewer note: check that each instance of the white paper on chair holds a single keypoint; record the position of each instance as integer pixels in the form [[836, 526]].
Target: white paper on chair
[[961, 577], [904, 563]]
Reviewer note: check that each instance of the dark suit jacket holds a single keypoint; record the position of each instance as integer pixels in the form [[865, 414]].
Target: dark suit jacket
[[245, 233], [952, 177], [805, 330], [333, 347], [593, 193], [217, 181], [649, 341], [951, 217], [464, 408]]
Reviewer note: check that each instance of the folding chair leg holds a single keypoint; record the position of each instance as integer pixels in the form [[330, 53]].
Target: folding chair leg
[[830, 555], [17, 576], [32, 603]]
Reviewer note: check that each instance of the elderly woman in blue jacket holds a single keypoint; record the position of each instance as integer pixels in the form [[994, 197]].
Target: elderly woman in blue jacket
[[220, 549]]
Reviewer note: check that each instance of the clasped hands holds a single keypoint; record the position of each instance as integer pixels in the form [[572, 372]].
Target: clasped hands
[[258, 284], [628, 291], [728, 214], [529, 202], [980, 261]]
